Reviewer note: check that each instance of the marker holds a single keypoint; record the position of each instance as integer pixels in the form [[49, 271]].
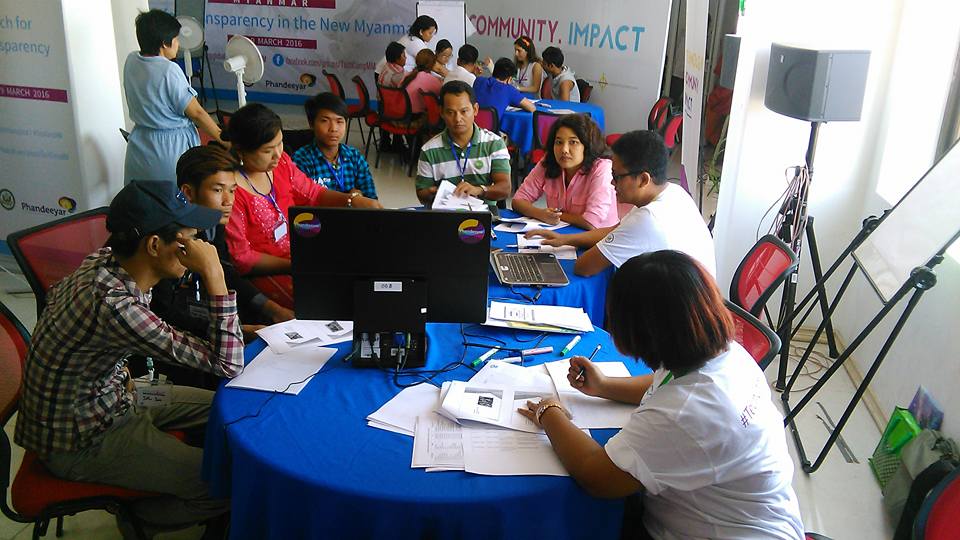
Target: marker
[[513, 360], [483, 357], [570, 346], [525, 247], [582, 370], [540, 350]]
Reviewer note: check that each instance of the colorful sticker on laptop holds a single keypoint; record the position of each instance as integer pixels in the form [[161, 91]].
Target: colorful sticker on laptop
[[307, 225], [471, 231]]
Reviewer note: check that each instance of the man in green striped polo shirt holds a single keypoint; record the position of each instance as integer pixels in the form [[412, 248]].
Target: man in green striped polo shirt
[[474, 159]]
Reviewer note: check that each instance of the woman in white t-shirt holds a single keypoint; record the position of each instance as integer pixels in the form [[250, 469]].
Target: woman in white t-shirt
[[421, 32], [705, 447], [529, 70]]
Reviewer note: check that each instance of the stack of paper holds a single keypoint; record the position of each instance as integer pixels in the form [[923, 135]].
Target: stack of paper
[[523, 224], [286, 336], [535, 245], [569, 318], [445, 199], [474, 405], [289, 372], [399, 415], [590, 411]]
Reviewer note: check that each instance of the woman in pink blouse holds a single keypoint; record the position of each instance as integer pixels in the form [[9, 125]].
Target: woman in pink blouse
[[575, 175], [258, 235], [423, 79]]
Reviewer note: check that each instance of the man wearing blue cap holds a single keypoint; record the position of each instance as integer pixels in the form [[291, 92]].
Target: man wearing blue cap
[[78, 410]]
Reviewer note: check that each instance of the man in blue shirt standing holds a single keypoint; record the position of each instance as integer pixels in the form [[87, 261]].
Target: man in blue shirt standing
[[328, 162], [496, 91]]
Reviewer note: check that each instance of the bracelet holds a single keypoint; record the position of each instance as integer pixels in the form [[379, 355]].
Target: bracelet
[[350, 199], [546, 407]]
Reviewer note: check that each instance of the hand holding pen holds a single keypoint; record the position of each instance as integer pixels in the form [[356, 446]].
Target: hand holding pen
[[584, 375]]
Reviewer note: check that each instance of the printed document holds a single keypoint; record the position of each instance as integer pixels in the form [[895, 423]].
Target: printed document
[[288, 373], [400, 413], [563, 317], [286, 336], [474, 405], [590, 411], [437, 444], [502, 452], [447, 200], [535, 245]]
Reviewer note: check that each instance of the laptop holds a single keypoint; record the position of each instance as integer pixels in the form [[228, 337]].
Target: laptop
[[537, 269]]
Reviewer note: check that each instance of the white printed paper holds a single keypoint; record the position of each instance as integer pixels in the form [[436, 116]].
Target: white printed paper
[[502, 452], [401, 412], [286, 336], [535, 245], [445, 199], [563, 317], [473, 405], [590, 411], [437, 444], [288, 373]]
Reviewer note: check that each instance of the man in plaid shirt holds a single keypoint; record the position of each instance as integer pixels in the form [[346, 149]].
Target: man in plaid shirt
[[335, 166], [78, 409]]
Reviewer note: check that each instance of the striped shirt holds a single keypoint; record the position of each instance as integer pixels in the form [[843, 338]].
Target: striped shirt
[[74, 379], [441, 159], [351, 168]]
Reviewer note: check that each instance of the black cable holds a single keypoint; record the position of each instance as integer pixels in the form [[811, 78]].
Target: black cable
[[530, 299], [273, 394]]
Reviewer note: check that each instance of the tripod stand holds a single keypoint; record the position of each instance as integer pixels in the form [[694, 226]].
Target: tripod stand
[[791, 224]]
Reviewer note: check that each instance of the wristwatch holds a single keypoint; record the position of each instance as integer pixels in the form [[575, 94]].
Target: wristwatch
[[483, 188], [350, 197], [544, 407]]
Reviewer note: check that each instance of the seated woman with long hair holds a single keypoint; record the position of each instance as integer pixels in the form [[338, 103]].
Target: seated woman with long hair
[[258, 235], [575, 175], [705, 447]]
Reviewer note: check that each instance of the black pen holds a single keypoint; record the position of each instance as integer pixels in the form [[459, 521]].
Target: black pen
[[590, 358]]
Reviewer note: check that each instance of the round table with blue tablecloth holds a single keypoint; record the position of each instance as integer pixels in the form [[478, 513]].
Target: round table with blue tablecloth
[[308, 466], [518, 125]]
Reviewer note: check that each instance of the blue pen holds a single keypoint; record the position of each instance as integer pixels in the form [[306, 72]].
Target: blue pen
[[582, 370]]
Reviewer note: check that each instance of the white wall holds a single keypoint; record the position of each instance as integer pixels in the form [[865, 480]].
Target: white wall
[[125, 34], [848, 161]]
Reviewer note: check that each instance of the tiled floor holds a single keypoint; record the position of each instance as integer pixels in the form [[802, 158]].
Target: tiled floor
[[841, 500]]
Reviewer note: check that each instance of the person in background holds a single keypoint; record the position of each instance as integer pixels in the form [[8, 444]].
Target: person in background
[[392, 74], [207, 176], [529, 71], [471, 157], [420, 33], [162, 104], [326, 160], [422, 79], [466, 69], [496, 91], [705, 448], [258, 235], [563, 80], [575, 175], [664, 216], [444, 52], [78, 409]]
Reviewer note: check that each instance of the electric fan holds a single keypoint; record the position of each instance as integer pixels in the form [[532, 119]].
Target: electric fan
[[244, 61], [191, 40]]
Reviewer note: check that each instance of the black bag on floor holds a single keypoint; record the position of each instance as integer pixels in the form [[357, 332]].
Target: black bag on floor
[[925, 461]]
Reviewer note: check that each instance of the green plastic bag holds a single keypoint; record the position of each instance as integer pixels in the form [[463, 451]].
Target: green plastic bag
[[901, 429]]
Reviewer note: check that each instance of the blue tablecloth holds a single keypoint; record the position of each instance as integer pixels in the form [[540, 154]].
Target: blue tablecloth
[[589, 293], [519, 124], [308, 466]]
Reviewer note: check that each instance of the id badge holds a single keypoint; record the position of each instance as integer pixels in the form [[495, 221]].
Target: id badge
[[280, 230]]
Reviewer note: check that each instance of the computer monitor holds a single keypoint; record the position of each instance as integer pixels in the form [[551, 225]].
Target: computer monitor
[[390, 272]]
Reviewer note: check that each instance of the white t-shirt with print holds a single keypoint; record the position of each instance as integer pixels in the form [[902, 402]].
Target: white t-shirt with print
[[458, 73], [710, 450], [671, 221]]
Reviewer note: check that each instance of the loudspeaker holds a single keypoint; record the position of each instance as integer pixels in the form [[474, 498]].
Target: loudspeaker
[[731, 52], [816, 85]]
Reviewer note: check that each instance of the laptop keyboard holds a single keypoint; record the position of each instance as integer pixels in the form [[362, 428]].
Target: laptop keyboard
[[525, 269]]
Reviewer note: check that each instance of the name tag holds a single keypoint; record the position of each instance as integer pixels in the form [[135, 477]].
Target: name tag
[[387, 286], [280, 231]]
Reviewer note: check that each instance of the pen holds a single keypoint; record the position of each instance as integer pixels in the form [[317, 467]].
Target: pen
[[542, 104], [533, 246], [483, 357], [571, 345], [582, 370], [513, 360]]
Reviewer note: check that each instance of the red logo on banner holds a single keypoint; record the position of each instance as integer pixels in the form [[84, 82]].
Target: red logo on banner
[[318, 4], [281, 42], [33, 92]]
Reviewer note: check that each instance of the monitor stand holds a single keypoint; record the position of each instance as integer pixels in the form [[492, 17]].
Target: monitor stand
[[389, 326]]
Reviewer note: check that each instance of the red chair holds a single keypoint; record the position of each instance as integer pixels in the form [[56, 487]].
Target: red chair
[[612, 138], [488, 119], [36, 495], [354, 112], [47, 253], [757, 338], [371, 117], [765, 267], [546, 88], [434, 115], [937, 519], [585, 90], [396, 118], [542, 121]]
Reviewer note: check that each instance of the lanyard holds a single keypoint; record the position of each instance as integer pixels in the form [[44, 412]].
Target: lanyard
[[272, 196], [337, 172], [666, 379], [466, 157], [523, 74]]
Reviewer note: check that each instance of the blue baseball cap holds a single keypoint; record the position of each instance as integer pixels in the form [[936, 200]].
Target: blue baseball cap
[[146, 206]]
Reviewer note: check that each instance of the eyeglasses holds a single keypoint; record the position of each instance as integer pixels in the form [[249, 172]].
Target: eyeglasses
[[617, 177]]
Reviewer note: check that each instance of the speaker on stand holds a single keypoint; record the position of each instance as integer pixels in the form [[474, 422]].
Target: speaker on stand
[[816, 86]]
